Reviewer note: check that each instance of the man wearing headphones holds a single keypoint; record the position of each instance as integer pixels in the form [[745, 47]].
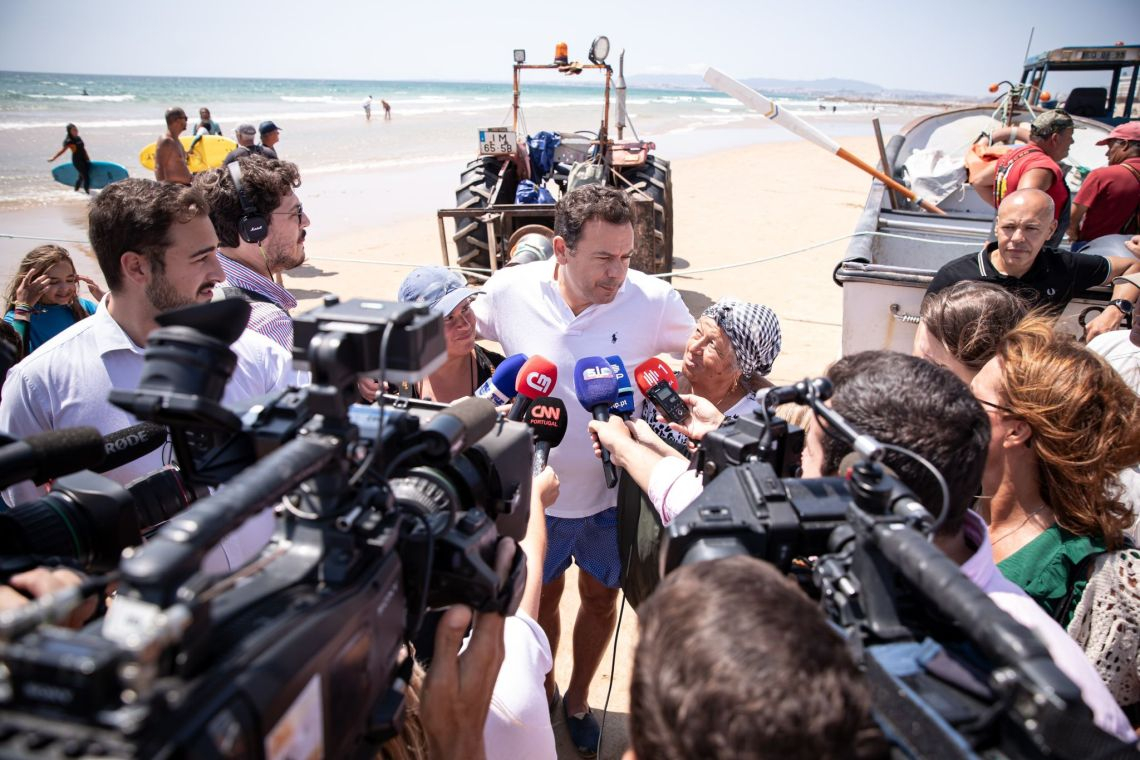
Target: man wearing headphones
[[260, 226]]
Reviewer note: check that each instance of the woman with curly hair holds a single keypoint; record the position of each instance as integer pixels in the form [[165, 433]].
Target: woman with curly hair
[[1063, 423]]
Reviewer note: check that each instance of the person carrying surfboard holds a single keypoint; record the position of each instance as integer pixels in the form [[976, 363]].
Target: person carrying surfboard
[[205, 126], [169, 156], [79, 158]]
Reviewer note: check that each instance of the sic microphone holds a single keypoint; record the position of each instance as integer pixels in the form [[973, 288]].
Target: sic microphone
[[500, 387], [126, 445], [597, 390], [626, 403], [546, 418], [536, 379], [458, 426], [658, 384], [44, 456]]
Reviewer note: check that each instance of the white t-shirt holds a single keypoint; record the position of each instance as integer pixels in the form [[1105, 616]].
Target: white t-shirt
[[65, 384], [518, 724], [523, 310], [1124, 356]]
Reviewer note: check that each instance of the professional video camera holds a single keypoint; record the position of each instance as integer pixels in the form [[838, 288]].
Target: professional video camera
[[301, 652], [950, 673]]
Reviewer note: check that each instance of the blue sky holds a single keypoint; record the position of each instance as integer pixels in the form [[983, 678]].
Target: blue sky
[[900, 45]]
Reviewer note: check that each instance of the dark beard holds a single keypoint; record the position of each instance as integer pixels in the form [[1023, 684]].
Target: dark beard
[[163, 296]]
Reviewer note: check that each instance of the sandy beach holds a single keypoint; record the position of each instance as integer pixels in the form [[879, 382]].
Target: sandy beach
[[731, 208]]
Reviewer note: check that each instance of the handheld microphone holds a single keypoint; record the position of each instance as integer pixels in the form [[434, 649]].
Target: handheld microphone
[[547, 420], [626, 403], [127, 445], [44, 456], [597, 389], [500, 387], [536, 378], [658, 384]]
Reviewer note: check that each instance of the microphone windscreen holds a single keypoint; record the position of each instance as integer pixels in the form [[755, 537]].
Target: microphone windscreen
[[626, 403], [536, 377], [477, 415], [652, 371], [594, 382], [127, 445], [62, 452], [547, 420], [507, 373]]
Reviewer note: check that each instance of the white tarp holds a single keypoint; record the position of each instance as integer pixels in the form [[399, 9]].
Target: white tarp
[[934, 175]]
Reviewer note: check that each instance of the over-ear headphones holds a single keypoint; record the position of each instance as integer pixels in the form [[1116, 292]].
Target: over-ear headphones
[[252, 227]]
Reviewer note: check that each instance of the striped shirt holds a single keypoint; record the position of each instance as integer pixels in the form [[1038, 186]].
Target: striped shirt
[[270, 319]]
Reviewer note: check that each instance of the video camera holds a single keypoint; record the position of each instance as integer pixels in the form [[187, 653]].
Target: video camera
[[950, 673], [383, 512]]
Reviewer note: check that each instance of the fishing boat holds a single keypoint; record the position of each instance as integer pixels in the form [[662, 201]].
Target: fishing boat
[[898, 247]]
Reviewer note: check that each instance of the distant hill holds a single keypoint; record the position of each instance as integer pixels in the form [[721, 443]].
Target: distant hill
[[819, 87]]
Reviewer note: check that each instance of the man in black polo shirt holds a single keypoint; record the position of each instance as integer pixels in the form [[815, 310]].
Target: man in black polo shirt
[[1020, 262]]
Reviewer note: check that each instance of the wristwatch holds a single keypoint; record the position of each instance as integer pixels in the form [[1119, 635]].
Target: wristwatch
[[1124, 305]]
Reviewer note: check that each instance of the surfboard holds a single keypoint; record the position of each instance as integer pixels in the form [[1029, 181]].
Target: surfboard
[[102, 173], [209, 153]]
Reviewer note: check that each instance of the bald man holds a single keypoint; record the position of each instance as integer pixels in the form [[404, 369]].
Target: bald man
[[1021, 262]]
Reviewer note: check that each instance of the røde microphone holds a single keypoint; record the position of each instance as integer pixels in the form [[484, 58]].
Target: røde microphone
[[536, 379], [626, 403], [44, 456], [658, 383], [500, 387], [126, 445], [547, 420], [597, 389]]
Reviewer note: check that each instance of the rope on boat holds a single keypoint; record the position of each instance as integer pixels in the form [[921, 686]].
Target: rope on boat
[[483, 273]]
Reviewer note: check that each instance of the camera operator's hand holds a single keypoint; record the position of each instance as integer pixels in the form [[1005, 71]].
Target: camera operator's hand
[[368, 388], [546, 486], [457, 691], [705, 417], [646, 436], [42, 582]]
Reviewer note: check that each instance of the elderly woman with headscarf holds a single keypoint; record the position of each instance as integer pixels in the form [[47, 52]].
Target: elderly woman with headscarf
[[726, 360]]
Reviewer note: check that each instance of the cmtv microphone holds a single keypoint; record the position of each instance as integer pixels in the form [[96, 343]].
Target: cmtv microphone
[[626, 403], [597, 389], [536, 379], [546, 418], [500, 387], [658, 383], [44, 456]]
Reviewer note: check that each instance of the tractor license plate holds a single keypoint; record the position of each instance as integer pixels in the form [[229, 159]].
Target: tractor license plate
[[497, 141]]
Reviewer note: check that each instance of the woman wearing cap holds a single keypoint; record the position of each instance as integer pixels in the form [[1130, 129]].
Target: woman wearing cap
[[467, 365], [730, 352]]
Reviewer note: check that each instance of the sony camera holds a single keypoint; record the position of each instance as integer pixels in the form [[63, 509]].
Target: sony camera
[[382, 512]]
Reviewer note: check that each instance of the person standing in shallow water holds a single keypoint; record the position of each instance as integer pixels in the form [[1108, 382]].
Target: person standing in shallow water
[[79, 158]]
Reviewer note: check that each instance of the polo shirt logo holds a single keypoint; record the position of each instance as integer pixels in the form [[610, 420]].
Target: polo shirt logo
[[613, 338]]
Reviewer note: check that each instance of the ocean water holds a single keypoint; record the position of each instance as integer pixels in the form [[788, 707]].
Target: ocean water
[[323, 128]]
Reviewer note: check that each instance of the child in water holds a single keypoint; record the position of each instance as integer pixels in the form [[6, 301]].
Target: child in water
[[43, 297]]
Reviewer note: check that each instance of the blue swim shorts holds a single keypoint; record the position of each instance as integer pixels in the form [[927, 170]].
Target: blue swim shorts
[[590, 541]]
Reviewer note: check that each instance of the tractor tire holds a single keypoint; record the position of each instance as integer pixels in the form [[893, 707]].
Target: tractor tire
[[655, 179], [476, 186]]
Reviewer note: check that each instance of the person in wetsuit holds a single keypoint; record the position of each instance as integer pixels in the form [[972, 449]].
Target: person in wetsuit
[[79, 158]]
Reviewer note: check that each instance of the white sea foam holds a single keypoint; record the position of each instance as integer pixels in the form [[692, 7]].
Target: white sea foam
[[92, 98]]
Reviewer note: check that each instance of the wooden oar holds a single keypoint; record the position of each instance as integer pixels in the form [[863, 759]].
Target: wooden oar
[[793, 123]]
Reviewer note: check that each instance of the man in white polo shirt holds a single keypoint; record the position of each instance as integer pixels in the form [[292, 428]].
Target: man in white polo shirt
[[157, 250], [585, 302]]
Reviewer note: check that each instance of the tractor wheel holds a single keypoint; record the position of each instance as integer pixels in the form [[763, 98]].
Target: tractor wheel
[[655, 179], [476, 187]]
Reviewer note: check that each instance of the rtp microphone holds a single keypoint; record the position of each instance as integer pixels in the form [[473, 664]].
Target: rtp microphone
[[626, 403], [547, 420], [597, 389], [127, 445], [44, 456], [658, 383], [536, 379], [500, 387]]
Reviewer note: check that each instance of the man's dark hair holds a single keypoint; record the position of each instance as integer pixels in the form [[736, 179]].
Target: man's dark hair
[[586, 203], [734, 661], [264, 181], [136, 215], [912, 403], [173, 114]]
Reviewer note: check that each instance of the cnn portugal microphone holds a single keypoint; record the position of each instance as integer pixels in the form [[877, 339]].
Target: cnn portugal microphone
[[546, 418], [658, 384], [536, 378], [597, 389]]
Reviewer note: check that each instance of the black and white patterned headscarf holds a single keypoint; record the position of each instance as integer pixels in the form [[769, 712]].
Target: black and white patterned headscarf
[[752, 329]]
